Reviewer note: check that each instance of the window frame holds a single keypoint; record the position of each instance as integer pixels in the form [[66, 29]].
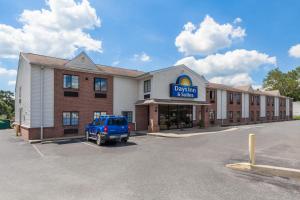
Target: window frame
[[101, 80], [71, 84], [71, 118], [230, 97], [100, 112], [238, 98], [129, 119], [147, 86]]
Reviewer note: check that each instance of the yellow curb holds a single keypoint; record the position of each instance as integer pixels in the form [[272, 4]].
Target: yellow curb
[[174, 135], [267, 170]]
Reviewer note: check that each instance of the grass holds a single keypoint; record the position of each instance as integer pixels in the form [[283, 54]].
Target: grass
[[296, 117]]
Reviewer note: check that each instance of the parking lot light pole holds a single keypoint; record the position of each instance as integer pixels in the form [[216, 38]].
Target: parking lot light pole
[[252, 149]]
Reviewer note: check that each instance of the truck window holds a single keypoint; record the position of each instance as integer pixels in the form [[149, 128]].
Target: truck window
[[117, 121]]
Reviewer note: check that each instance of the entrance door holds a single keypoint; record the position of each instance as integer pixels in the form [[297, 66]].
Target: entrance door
[[175, 116]]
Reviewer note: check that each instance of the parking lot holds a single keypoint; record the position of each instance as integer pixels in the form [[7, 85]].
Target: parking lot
[[150, 167]]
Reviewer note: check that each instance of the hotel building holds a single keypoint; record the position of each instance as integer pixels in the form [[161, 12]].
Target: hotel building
[[58, 97]]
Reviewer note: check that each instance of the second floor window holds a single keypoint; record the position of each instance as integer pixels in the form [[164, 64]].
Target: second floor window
[[147, 86], [231, 98], [257, 100], [212, 96], [238, 98], [71, 82], [100, 84], [252, 100]]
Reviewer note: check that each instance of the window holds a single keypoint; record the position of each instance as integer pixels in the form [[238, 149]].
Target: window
[[238, 116], [147, 86], [257, 115], [238, 98], [230, 115], [252, 115], [212, 96], [231, 98], [128, 115], [97, 114], [100, 84], [71, 82], [257, 100], [212, 115], [70, 118], [268, 114], [268, 101], [252, 100]]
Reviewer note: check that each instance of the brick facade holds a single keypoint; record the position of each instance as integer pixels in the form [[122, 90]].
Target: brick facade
[[85, 104]]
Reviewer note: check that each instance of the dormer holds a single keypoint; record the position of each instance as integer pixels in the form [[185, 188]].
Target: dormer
[[82, 61]]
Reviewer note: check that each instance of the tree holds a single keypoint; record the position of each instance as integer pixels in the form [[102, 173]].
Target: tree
[[7, 103], [288, 83]]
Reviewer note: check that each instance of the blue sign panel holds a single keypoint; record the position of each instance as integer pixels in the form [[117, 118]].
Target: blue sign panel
[[184, 91]]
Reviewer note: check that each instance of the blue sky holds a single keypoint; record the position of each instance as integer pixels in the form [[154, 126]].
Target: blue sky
[[237, 41]]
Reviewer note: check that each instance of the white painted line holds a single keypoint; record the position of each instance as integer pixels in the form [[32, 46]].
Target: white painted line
[[92, 145], [37, 150]]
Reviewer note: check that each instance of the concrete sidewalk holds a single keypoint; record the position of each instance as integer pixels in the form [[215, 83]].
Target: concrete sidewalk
[[189, 132]]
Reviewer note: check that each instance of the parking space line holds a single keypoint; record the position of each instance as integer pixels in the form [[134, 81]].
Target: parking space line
[[37, 150], [92, 145]]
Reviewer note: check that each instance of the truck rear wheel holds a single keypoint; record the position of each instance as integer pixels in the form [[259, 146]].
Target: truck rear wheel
[[99, 141]]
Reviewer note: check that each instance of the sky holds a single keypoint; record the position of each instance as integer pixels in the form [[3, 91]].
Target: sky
[[231, 42]]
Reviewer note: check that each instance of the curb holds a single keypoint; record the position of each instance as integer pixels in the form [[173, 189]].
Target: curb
[[174, 135], [54, 139], [266, 170]]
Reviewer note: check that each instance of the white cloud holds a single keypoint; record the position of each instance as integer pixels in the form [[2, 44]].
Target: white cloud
[[208, 38], [7, 72], [294, 51], [57, 31], [142, 57], [233, 67], [237, 20], [11, 82], [234, 80], [115, 63]]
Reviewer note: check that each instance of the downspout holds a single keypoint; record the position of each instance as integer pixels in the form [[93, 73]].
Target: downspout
[[42, 102], [222, 107]]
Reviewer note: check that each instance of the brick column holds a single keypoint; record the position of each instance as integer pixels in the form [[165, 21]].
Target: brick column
[[205, 115], [153, 118]]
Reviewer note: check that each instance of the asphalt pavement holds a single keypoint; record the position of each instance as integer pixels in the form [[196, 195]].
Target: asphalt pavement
[[150, 167]]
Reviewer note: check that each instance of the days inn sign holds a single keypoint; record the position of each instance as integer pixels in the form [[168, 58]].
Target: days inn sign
[[183, 88]]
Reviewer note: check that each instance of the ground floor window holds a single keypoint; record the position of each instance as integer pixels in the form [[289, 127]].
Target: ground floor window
[[128, 115], [175, 116], [238, 116], [97, 114], [70, 118]]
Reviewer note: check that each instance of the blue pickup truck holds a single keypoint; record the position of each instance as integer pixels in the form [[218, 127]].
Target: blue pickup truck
[[107, 128]]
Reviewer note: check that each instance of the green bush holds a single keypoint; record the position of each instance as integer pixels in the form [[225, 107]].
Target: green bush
[[296, 117]]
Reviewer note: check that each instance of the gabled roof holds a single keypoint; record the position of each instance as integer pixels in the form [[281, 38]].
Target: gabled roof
[[82, 60], [223, 87], [175, 66], [60, 63], [245, 89]]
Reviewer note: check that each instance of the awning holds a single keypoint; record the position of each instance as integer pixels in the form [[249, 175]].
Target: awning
[[170, 101]]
